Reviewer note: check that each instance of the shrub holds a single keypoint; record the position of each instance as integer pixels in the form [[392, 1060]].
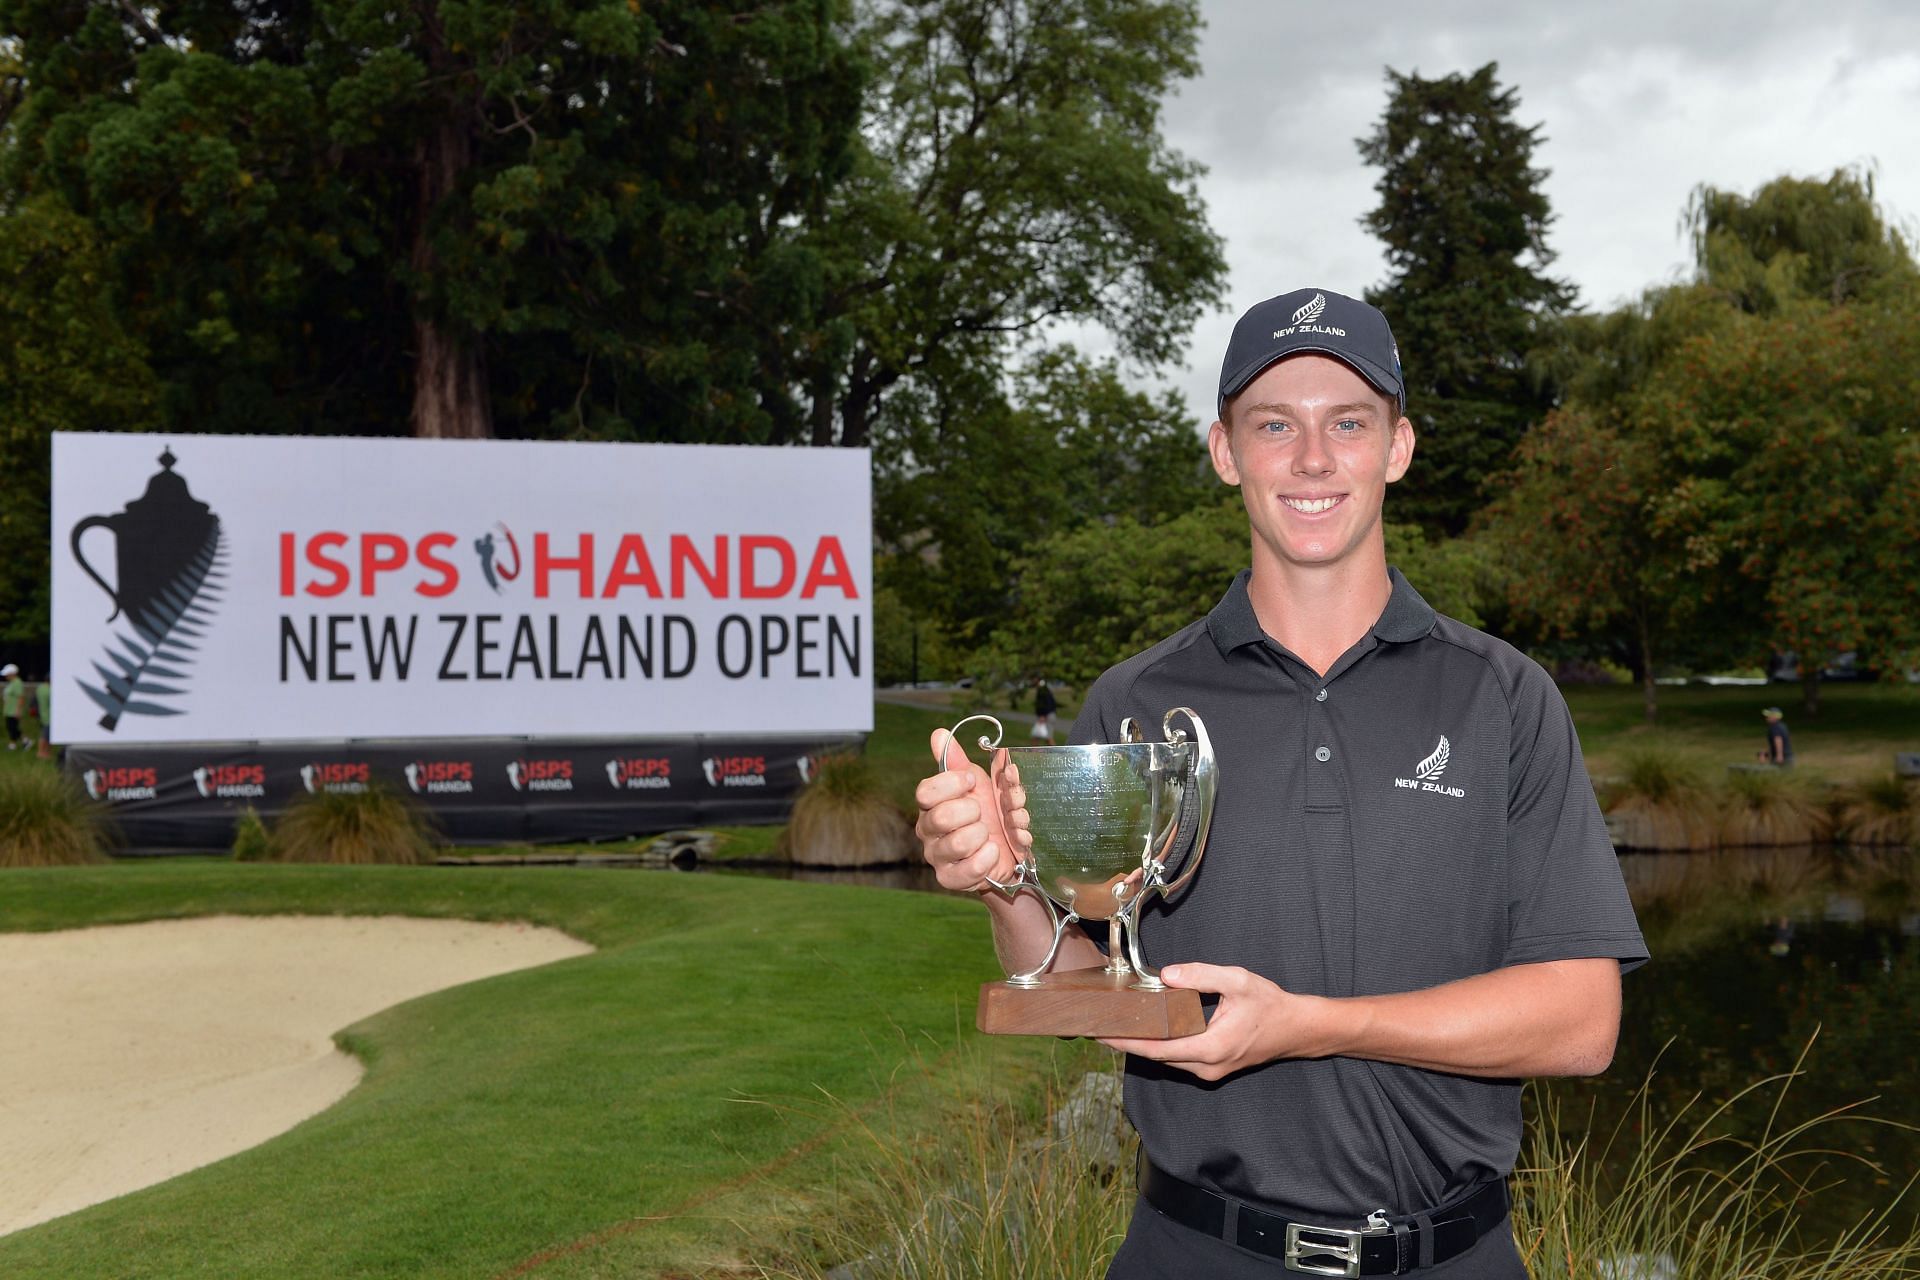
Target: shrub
[[845, 819], [1660, 801], [47, 820], [369, 826], [250, 840]]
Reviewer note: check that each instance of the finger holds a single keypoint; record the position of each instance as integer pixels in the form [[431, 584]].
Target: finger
[[953, 815], [930, 791], [1223, 979], [1186, 1052]]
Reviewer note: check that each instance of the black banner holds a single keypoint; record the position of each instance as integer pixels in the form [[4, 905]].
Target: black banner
[[184, 798]]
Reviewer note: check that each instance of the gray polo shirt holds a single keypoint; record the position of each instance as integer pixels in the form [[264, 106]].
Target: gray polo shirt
[[1418, 815]]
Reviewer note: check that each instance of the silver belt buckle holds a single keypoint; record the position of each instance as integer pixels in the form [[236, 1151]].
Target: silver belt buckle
[[1330, 1242]]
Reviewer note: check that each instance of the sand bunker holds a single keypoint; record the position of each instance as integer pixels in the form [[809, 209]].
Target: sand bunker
[[132, 1053]]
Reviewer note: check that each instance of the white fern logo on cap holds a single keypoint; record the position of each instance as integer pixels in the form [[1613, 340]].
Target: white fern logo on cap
[[1436, 764], [1311, 312]]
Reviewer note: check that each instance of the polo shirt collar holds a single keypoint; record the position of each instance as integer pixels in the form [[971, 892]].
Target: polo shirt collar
[[1233, 623]]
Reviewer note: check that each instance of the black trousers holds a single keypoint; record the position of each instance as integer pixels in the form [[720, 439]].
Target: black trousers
[[1157, 1248], [13, 728]]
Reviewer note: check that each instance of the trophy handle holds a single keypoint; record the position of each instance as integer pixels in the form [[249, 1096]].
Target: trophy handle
[[991, 744], [1204, 784], [96, 522]]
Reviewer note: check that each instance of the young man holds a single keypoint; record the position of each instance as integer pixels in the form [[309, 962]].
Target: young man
[[1408, 904]]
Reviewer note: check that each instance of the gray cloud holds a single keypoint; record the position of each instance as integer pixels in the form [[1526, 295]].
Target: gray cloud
[[1639, 102]]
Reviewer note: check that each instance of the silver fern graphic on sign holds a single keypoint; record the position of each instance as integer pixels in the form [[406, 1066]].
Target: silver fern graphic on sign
[[169, 559], [1436, 764], [1311, 312]]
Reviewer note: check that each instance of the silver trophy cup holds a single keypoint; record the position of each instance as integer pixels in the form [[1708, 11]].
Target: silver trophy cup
[[1101, 828]]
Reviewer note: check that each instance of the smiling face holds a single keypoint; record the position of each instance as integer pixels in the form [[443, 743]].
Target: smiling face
[[1313, 448]]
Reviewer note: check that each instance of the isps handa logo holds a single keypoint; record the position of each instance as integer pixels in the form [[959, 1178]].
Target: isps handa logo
[[735, 771], [541, 775], [336, 777], [640, 773], [122, 782], [231, 781], [168, 562], [440, 777]]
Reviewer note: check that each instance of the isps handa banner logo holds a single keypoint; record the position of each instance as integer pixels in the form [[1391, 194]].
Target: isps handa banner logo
[[168, 560]]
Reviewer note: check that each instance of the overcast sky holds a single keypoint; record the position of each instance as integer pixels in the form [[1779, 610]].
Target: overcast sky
[[1639, 101]]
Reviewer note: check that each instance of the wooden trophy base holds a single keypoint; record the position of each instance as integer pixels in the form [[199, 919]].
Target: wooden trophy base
[[1089, 1002]]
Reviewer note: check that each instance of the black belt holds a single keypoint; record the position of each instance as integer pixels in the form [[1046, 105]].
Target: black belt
[[1382, 1248]]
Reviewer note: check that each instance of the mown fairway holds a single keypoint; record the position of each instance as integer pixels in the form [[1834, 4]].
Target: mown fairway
[[659, 1107]]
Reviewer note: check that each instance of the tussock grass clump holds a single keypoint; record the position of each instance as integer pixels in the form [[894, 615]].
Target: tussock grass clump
[[369, 826], [48, 820], [1770, 807], [1884, 810], [998, 1193], [1661, 801], [251, 843], [845, 819]]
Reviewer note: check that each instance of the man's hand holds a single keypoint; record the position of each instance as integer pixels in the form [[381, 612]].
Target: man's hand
[[1255, 1022], [971, 823]]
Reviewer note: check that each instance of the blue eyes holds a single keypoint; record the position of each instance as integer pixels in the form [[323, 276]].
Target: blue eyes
[[1346, 426]]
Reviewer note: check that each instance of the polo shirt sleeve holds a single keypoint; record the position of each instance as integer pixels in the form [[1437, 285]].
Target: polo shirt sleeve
[[1565, 896], [1090, 725]]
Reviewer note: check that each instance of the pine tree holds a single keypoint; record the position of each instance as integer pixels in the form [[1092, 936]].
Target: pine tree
[[1465, 223]]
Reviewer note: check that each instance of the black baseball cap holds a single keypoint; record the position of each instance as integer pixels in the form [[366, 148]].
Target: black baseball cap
[[1317, 320]]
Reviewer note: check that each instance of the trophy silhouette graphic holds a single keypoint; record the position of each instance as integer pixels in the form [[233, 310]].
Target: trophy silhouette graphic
[[168, 553]]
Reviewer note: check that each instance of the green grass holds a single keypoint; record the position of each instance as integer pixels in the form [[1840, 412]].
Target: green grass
[[656, 1108], [1858, 729]]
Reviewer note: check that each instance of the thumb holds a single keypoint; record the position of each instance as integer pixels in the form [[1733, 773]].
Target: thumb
[[947, 757]]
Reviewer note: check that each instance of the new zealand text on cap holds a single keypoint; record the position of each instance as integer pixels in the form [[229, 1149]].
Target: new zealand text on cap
[[1332, 324]]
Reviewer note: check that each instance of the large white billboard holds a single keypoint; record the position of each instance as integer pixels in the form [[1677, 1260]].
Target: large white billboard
[[211, 588]]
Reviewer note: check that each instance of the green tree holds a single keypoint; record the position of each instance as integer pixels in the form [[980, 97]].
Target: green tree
[[967, 485], [1464, 221], [574, 215], [1800, 457], [1659, 513], [1096, 593], [1798, 239], [65, 365], [1601, 538], [1011, 175]]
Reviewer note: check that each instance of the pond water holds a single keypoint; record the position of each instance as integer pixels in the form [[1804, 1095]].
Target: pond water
[[1757, 956]]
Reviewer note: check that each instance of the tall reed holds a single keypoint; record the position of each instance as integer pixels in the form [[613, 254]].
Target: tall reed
[[1691, 1203], [1000, 1193], [995, 1196]]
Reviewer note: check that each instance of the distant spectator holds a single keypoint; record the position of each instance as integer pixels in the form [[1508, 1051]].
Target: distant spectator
[[1044, 705], [13, 700], [43, 703], [1779, 749]]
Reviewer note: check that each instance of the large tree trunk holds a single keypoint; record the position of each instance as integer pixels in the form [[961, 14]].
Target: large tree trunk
[[450, 380], [450, 386], [1810, 689]]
